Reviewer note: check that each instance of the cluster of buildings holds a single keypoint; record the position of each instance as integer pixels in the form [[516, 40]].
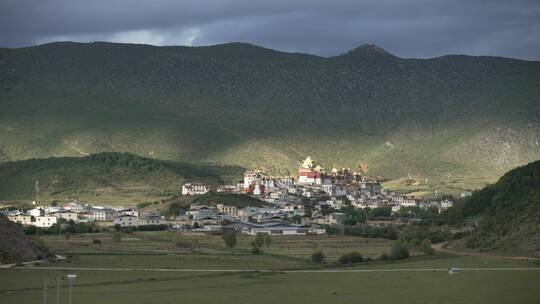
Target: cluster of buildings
[[330, 188], [326, 193], [286, 197], [46, 216]]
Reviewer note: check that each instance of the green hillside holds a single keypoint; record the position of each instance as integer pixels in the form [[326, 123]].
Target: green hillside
[[104, 178], [457, 121], [509, 211]]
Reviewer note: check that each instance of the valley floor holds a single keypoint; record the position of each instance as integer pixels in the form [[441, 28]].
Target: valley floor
[[157, 267]]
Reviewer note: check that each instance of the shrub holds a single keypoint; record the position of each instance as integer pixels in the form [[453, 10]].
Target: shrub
[[230, 239], [318, 257], [384, 256], [259, 240], [426, 248], [184, 245], [399, 251], [256, 250], [257, 244], [351, 257], [117, 238], [96, 242], [30, 229], [267, 241], [143, 205]]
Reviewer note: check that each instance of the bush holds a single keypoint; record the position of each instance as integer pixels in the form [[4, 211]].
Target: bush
[[96, 242], [399, 252], [387, 232], [318, 257], [257, 244], [117, 238], [267, 241], [183, 245], [230, 239], [384, 256], [143, 205], [351, 258], [256, 250], [259, 240], [30, 229], [426, 248]]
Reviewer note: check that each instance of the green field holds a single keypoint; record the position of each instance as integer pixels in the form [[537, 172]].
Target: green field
[[150, 268]]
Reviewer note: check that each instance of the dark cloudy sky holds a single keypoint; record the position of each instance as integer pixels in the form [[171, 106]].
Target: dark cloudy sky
[[416, 28]]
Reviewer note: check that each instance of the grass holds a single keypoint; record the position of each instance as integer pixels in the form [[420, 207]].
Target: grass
[[25, 286], [282, 248], [159, 250]]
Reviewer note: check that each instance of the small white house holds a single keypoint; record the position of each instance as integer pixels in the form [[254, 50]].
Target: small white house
[[335, 218], [126, 220], [103, 215], [45, 221], [195, 189], [67, 215], [409, 201], [445, 204]]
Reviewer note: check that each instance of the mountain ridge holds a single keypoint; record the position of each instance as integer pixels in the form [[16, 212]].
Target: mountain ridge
[[364, 47]]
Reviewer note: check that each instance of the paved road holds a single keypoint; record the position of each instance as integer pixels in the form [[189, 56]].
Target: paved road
[[279, 271]]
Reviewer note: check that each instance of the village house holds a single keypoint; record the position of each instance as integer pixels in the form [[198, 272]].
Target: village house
[[227, 189], [45, 221], [335, 218], [272, 228], [68, 215], [151, 220], [74, 207], [126, 220], [371, 187], [22, 219], [102, 215], [409, 201], [227, 210], [334, 189], [445, 204], [195, 189], [36, 212], [278, 195], [130, 211]]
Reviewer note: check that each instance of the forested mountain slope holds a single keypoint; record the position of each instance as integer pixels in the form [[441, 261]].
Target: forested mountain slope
[[448, 119], [509, 212], [112, 178]]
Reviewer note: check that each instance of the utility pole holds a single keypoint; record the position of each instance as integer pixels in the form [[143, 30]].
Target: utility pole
[[57, 290], [71, 277], [36, 192], [44, 291]]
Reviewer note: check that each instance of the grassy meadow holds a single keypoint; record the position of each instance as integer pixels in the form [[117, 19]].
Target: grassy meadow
[[158, 267]]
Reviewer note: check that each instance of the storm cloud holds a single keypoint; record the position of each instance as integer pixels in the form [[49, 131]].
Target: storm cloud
[[421, 28]]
